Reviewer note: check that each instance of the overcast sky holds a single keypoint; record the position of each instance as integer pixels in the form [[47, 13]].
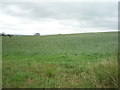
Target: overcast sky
[[58, 17]]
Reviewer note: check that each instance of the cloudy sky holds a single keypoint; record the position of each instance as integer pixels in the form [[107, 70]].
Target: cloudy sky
[[58, 17]]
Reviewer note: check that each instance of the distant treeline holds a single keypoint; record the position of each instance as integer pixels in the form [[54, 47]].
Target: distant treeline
[[2, 34]]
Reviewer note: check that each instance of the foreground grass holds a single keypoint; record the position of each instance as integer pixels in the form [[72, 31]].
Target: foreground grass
[[71, 61]]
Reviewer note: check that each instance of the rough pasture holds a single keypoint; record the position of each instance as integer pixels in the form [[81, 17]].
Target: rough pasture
[[61, 61]]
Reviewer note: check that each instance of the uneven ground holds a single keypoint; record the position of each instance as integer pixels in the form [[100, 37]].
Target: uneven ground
[[61, 61]]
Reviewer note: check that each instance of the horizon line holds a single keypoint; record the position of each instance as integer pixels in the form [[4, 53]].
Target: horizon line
[[59, 33]]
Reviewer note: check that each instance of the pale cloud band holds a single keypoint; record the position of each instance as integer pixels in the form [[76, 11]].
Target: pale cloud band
[[61, 1], [58, 17]]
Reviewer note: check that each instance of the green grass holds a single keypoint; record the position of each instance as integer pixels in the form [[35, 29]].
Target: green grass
[[0, 62], [61, 61]]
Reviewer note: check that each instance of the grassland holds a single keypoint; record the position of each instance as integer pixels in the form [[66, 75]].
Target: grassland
[[61, 61]]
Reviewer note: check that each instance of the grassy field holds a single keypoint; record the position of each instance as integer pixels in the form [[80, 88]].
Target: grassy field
[[61, 61]]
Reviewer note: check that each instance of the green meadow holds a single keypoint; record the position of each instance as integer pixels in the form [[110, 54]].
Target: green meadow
[[86, 60]]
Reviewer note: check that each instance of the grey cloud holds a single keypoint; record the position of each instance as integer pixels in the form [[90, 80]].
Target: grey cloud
[[87, 12], [68, 10]]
